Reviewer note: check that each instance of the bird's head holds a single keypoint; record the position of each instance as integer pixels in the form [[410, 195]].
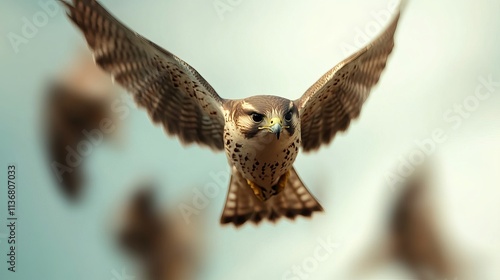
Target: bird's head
[[265, 116]]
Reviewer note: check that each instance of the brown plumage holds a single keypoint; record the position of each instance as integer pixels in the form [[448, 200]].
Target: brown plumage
[[242, 205], [416, 234], [163, 246], [172, 92], [77, 101], [258, 129], [330, 104], [413, 235]]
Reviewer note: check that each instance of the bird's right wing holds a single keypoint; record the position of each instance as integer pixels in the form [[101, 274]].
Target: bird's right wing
[[173, 93]]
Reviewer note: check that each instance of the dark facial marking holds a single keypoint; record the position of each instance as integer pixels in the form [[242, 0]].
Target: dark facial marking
[[250, 133], [288, 118]]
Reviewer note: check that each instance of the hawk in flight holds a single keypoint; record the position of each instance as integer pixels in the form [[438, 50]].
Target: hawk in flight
[[261, 135]]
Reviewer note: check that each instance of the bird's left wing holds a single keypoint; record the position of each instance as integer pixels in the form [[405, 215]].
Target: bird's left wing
[[330, 104], [173, 93]]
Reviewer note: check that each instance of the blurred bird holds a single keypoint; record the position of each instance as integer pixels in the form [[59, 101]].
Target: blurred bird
[[413, 234], [261, 134], [76, 102], [163, 245]]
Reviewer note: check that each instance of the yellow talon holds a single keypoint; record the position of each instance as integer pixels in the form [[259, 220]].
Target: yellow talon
[[282, 181], [256, 190]]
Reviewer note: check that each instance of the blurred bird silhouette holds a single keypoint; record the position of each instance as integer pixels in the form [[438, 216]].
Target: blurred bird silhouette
[[415, 232], [164, 245], [413, 236], [77, 101]]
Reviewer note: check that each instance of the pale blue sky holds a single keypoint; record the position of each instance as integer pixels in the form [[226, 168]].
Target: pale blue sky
[[258, 47]]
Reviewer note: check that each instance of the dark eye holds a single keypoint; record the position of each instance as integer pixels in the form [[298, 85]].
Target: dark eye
[[257, 117], [288, 116]]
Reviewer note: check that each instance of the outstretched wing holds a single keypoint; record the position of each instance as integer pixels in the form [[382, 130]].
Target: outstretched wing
[[330, 104], [173, 93]]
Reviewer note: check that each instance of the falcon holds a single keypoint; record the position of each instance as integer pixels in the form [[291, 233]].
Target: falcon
[[261, 135]]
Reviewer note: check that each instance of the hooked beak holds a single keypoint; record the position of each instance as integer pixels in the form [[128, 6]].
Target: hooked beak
[[275, 126]]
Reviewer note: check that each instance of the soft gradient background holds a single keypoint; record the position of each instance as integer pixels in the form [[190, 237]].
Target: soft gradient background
[[262, 47]]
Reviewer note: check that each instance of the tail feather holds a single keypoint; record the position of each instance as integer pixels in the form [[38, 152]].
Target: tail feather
[[242, 205]]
